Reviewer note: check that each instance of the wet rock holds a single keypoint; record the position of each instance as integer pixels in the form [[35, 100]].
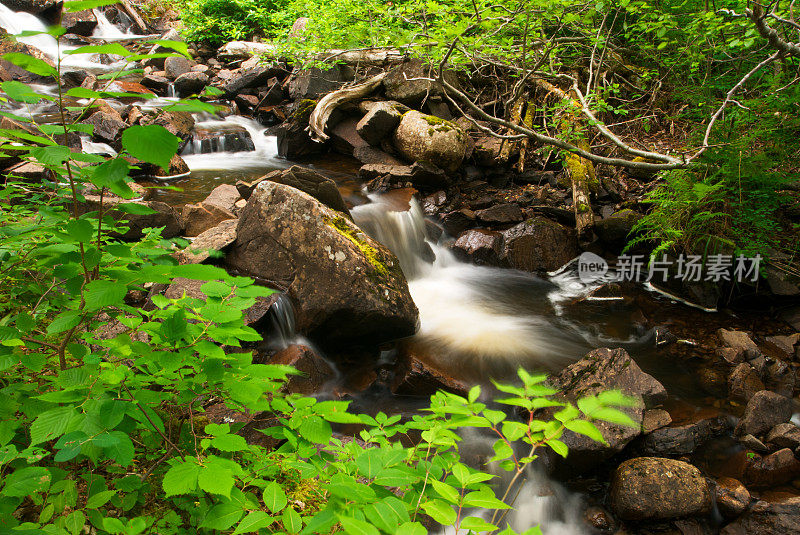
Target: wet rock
[[180, 287], [655, 419], [479, 246], [683, 439], [422, 175], [780, 282], [744, 382], [209, 243], [175, 66], [190, 83], [315, 83], [345, 138], [764, 411], [779, 377], [235, 50], [752, 443], [614, 230], [773, 470], [34, 7], [487, 151], [600, 370], [294, 143], [415, 376], [255, 76], [737, 340], [402, 84], [163, 215], [79, 22], [730, 355], [318, 186], [651, 488], [72, 79], [371, 155], [217, 207], [346, 287], [539, 244], [316, 372], [500, 213], [421, 137], [108, 127], [179, 123], [732, 497], [379, 122], [786, 435], [785, 344], [458, 221], [598, 518], [779, 513]]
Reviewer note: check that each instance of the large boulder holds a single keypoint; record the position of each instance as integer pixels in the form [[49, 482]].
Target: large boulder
[[346, 288], [538, 245], [318, 186], [190, 83], [9, 71], [253, 76], [314, 369], [175, 66], [108, 127], [405, 83], [652, 488], [209, 243], [421, 137], [79, 22], [600, 370], [479, 246], [315, 83], [682, 438], [614, 230], [774, 513]]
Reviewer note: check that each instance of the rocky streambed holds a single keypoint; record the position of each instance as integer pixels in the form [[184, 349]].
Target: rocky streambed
[[415, 253]]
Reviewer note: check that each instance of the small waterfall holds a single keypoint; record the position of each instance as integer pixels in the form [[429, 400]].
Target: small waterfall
[[282, 324], [171, 91], [17, 22], [497, 319], [108, 31]]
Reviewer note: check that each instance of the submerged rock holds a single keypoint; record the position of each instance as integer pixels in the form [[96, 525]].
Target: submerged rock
[[652, 488], [416, 376], [775, 513], [421, 137], [346, 288]]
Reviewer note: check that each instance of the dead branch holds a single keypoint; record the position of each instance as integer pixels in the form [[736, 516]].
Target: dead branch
[[331, 101]]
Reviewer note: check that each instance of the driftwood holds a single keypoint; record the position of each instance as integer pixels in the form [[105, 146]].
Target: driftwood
[[331, 101], [137, 20], [370, 57]]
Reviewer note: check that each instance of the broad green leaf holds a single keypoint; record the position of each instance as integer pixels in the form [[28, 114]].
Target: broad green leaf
[[558, 447], [353, 526], [26, 481], [30, 64], [64, 322], [177, 46], [253, 522], [445, 491], [106, 48], [585, 428], [52, 155], [440, 511], [291, 520], [151, 143], [134, 208], [102, 293], [181, 478], [229, 443], [223, 516], [21, 92], [411, 528], [216, 478], [50, 424], [485, 499], [474, 523], [315, 429], [274, 497], [80, 230], [74, 522], [99, 499], [112, 175]]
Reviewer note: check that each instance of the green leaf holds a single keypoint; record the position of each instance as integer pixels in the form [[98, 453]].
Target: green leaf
[[74, 522], [177, 46], [253, 522], [291, 520], [315, 429], [411, 528], [50, 424], [102, 293], [613, 416], [52, 155], [474, 523], [229, 443], [122, 451], [26, 481], [21, 92], [64, 322], [151, 143], [485, 499], [440, 511], [106, 48], [113, 525], [112, 175], [558, 447], [216, 477], [80, 230], [181, 478], [30, 64], [80, 5], [369, 462], [134, 208], [446, 491], [223, 516], [99, 499], [585, 428], [274, 497], [354, 526]]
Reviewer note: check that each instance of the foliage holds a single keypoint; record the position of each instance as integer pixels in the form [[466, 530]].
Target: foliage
[[219, 21], [103, 402]]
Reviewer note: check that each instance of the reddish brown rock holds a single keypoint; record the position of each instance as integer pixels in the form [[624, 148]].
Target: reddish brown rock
[[773, 470], [732, 497], [479, 246], [315, 370]]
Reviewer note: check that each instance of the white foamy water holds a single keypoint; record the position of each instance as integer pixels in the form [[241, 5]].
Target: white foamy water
[[107, 31], [17, 22], [264, 156]]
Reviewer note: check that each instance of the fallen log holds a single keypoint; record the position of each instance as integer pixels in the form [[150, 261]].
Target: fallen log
[[137, 20], [331, 101]]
